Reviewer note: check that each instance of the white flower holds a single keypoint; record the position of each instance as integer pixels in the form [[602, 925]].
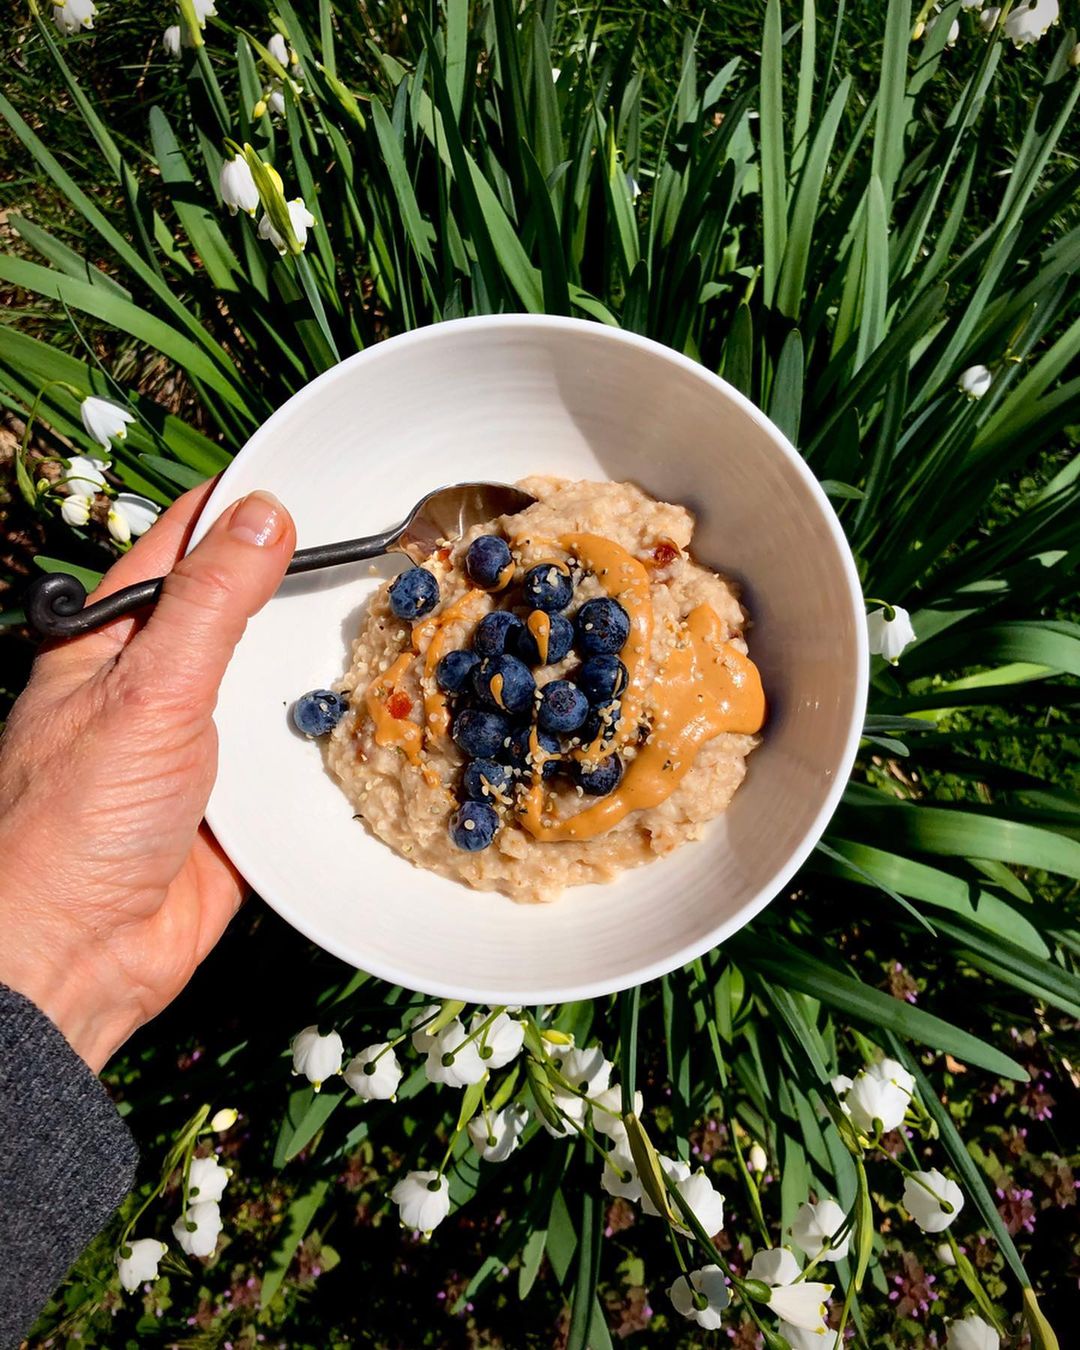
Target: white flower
[[675, 1171], [129, 516], [496, 1136], [975, 381], [374, 1073], [989, 17], [971, 4], [1027, 23], [84, 476], [889, 637], [925, 1205], [607, 1114], [141, 1263], [203, 10], [818, 1338], [278, 49], [465, 1065], [317, 1057], [76, 509], [892, 1071], [422, 1039], [502, 1041], [620, 1176], [814, 1225], [555, 73], [802, 1304], [705, 1201], [423, 1200], [757, 1159], [170, 39], [224, 1119], [104, 420], [205, 1221], [300, 218], [775, 1266], [697, 1190], [707, 1283], [207, 1179], [586, 1070], [841, 1084], [972, 1334], [236, 184], [944, 1254], [71, 15], [871, 1099], [275, 98]]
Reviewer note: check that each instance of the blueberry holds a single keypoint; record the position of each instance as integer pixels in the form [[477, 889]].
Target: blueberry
[[602, 626], [414, 593], [473, 826], [483, 777], [480, 733], [454, 671], [603, 678], [319, 711], [520, 747], [603, 719], [504, 682], [486, 562], [548, 587], [494, 632], [560, 640], [563, 707], [603, 778]]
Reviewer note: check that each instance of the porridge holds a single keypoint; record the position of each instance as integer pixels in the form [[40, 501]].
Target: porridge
[[557, 696]]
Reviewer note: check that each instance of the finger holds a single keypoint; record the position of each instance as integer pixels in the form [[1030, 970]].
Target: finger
[[206, 601], [152, 556]]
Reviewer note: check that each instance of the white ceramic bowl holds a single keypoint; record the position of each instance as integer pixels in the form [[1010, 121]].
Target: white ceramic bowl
[[499, 398]]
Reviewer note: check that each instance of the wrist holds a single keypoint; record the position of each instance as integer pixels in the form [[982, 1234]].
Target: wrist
[[68, 991]]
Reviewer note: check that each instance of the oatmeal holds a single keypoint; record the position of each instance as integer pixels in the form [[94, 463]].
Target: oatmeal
[[557, 696]]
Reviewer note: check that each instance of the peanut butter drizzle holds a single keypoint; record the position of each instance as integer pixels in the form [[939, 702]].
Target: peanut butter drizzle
[[626, 580], [400, 731], [433, 631], [705, 687], [407, 735], [495, 684], [539, 625]]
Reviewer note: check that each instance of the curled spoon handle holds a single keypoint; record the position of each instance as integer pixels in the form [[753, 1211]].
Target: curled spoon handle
[[55, 604]]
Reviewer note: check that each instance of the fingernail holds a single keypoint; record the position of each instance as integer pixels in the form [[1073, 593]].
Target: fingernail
[[257, 519]]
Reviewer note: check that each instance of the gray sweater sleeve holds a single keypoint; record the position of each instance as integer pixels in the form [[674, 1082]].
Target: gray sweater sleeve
[[66, 1161]]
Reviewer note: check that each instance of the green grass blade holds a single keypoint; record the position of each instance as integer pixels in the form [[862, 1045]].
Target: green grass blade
[[773, 163]]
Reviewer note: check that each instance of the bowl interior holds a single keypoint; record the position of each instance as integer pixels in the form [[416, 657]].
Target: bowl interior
[[501, 398]]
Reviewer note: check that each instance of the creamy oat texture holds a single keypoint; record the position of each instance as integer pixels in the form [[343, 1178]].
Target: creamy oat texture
[[408, 805]]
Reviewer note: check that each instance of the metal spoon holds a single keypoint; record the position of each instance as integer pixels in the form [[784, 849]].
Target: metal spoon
[[55, 604]]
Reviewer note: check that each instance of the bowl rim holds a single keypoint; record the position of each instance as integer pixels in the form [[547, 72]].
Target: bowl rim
[[246, 857]]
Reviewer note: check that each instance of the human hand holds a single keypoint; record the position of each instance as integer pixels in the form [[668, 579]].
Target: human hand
[[112, 887]]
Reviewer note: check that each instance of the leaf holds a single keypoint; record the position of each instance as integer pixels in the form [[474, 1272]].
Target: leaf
[[86, 575], [122, 314], [179, 474], [647, 1165], [583, 1301], [629, 1008], [561, 1240], [876, 1010], [773, 166], [785, 404], [307, 1112], [1042, 1333], [739, 352], [298, 1220]]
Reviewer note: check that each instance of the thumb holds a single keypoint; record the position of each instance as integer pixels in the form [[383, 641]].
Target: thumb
[[210, 594]]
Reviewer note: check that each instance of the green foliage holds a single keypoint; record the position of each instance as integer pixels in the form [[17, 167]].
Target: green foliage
[[840, 235]]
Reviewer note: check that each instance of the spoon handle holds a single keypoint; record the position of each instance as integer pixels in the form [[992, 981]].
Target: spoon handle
[[55, 604]]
